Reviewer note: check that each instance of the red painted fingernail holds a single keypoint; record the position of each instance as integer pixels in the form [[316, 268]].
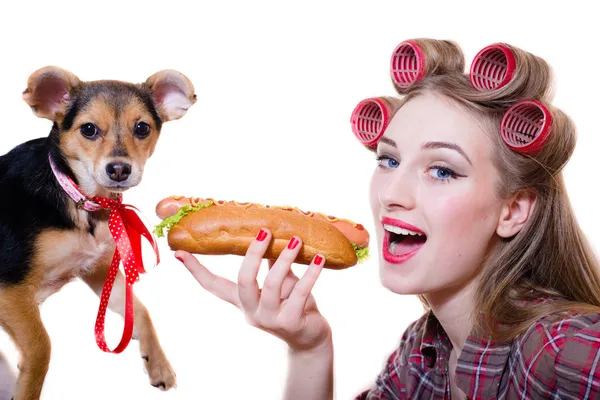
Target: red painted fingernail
[[179, 258], [318, 260], [261, 235], [293, 243]]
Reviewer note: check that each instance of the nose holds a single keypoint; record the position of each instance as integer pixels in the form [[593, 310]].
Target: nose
[[400, 190], [118, 171]]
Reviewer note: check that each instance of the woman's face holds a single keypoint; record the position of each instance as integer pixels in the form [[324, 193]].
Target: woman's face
[[432, 196]]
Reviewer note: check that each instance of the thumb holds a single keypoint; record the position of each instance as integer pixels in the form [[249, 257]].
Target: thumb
[[219, 286], [192, 264], [187, 259]]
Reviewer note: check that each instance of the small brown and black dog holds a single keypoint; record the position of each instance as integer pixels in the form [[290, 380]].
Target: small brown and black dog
[[102, 134]]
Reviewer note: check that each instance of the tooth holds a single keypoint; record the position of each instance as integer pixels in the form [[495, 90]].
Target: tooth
[[400, 231]]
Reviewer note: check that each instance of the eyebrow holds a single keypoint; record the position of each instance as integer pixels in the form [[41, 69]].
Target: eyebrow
[[431, 145], [387, 141], [446, 145]]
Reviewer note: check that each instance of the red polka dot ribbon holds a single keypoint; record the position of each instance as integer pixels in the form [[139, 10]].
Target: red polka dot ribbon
[[127, 230]]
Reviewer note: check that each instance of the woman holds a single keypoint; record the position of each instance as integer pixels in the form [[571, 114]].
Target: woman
[[472, 215]]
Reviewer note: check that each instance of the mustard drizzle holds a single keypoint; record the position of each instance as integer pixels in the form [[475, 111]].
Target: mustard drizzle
[[194, 201]]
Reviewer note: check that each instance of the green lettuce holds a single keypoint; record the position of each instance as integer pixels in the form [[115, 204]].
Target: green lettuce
[[361, 253], [169, 222]]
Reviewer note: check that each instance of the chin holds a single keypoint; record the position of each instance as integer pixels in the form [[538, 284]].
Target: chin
[[399, 283], [117, 189]]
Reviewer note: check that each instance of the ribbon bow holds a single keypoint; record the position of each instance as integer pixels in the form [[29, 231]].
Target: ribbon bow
[[127, 230]]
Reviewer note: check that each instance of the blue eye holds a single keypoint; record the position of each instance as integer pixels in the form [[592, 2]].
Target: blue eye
[[442, 173], [392, 163], [387, 162]]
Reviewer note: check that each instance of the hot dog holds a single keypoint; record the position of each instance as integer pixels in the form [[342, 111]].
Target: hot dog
[[208, 226]]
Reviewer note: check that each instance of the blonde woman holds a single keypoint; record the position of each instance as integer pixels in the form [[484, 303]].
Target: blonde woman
[[472, 215]]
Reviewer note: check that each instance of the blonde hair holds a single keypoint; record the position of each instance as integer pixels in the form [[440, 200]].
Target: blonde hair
[[550, 257]]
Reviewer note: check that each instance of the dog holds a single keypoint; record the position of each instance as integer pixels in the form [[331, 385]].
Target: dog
[[7, 379], [102, 134]]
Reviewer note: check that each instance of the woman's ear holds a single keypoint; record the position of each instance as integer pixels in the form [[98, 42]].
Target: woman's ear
[[515, 213]]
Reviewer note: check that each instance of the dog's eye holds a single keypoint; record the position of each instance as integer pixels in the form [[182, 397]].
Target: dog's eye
[[141, 130], [89, 130]]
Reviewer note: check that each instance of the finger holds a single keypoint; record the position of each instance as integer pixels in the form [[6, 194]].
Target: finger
[[299, 296], [219, 286], [270, 298], [248, 291], [271, 263], [288, 284]]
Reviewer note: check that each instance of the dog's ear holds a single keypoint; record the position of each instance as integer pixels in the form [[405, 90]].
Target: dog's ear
[[48, 92], [173, 93]]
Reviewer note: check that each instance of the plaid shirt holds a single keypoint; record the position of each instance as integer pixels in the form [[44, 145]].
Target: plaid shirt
[[554, 359]]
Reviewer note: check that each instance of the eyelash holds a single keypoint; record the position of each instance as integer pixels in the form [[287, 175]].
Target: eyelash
[[453, 175], [380, 158]]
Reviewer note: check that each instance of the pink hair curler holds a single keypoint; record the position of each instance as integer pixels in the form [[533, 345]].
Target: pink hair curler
[[525, 126], [369, 120], [407, 64], [492, 68]]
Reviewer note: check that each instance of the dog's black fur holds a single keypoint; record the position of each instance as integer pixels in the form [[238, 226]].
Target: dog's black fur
[[33, 200]]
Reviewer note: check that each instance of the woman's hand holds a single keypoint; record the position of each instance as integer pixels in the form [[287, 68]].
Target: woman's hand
[[284, 306]]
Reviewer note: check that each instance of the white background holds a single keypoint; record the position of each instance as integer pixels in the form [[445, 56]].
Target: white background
[[276, 83]]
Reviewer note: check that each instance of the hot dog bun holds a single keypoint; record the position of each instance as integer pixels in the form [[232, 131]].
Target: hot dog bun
[[206, 226], [355, 233]]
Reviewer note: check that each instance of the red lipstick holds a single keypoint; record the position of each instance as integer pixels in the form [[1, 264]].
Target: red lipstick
[[399, 258]]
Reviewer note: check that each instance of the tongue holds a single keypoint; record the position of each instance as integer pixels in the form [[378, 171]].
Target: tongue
[[406, 245]]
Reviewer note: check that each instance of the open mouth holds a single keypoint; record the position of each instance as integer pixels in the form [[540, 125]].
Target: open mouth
[[401, 243]]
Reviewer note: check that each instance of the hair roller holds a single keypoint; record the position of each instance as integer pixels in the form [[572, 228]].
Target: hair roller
[[492, 68], [525, 126], [407, 64], [371, 117], [511, 74], [416, 58]]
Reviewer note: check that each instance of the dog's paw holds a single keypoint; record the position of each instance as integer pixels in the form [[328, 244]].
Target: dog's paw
[[160, 372]]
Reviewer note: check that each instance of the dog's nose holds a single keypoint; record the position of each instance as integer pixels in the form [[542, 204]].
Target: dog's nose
[[118, 171]]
